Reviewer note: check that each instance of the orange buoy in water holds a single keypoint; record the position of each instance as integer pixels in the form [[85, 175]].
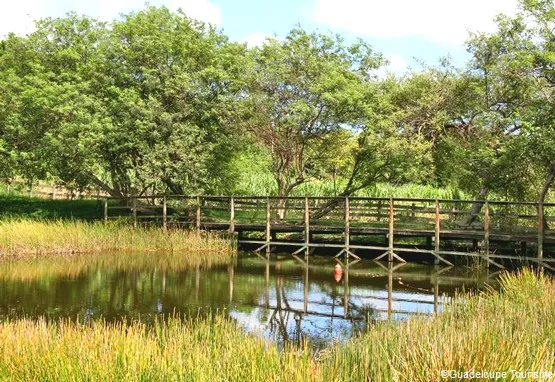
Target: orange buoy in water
[[337, 272]]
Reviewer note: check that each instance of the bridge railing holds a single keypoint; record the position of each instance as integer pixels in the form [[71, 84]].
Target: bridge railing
[[476, 222]]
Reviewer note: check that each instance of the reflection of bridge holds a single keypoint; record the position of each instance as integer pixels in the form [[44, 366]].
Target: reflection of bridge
[[491, 231], [286, 313]]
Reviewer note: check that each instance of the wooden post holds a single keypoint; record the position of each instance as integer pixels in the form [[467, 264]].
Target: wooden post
[[53, 188], [198, 214], [486, 229], [347, 227], [105, 210], [305, 295], [134, 207], [437, 231], [540, 230], [346, 289], [231, 215], [306, 226], [268, 224], [389, 291], [390, 242], [164, 214]]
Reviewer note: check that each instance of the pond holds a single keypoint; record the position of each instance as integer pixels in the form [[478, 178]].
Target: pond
[[285, 298]]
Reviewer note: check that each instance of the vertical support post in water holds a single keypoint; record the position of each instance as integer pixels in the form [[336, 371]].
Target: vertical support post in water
[[268, 225], [347, 227], [390, 242], [305, 299], [231, 215], [267, 284], [306, 227], [134, 208], [486, 229], [437, 231], [198, 214], [165, 213], [105, 210], [346, 289], [389, 291], [540, 230]]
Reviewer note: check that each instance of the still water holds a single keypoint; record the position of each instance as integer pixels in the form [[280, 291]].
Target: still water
[[285, 298]]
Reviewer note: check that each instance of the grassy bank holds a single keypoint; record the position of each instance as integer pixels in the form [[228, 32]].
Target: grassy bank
[[512, 329], [18, 206], [24, 238]]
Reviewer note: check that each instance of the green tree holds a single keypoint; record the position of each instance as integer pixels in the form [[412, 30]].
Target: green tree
[[517, 64], [299, 91]]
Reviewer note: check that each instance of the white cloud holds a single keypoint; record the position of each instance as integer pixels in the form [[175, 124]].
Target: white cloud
[[202, 10], [19, 16], [396, 65], [256, 39], [445, 21]]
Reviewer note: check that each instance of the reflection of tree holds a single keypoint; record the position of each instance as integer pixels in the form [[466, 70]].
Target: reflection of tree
[[280, 318]]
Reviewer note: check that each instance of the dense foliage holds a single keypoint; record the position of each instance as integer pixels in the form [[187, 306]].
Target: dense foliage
[[158, 102]]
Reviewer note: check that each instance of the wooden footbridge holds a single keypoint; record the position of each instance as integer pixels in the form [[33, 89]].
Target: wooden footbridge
[[386, 228]]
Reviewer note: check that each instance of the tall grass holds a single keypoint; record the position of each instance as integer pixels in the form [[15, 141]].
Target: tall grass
[[264, 184], [500, 331], [197, 350], [24, 237]]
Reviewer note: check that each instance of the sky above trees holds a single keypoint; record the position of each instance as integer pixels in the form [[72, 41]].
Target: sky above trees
[[403, 30]]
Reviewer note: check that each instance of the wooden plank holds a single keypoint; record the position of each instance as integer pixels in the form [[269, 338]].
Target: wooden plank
[[437, 232], [105, 210], [486, 229], [391, 231], [540, 230], [306, 227], [164, 214], [268, 225], [232, 215], [347, 232], [198, 214], [134, 207]]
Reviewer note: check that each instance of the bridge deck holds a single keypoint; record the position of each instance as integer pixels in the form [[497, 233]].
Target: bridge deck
[[492, 227]]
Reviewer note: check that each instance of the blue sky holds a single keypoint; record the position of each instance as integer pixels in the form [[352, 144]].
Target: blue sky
[[403, 30]]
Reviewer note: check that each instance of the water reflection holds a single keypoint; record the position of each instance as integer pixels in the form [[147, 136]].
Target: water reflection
[[287, 298]]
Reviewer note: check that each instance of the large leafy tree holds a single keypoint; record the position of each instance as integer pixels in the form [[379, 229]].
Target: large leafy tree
[[170, 79], [517, 63], [122, 107], [299, 91]]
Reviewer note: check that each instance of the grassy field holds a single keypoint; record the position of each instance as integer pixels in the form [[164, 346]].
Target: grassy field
[[12, 206], [501, 331], [24, 238]]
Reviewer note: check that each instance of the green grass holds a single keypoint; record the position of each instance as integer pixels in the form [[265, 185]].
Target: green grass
[[500, 331], [24, 238], [37, 208]]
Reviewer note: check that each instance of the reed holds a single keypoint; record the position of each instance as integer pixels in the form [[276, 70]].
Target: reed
[[494, 331], [500, 331], [27, 238]]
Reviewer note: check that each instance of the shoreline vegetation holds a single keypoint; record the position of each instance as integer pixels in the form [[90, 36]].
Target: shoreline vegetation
[[492, 331], [22, 238]]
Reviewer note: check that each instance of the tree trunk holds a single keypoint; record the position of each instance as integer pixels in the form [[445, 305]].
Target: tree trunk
[[543, 193], [476, 207]]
